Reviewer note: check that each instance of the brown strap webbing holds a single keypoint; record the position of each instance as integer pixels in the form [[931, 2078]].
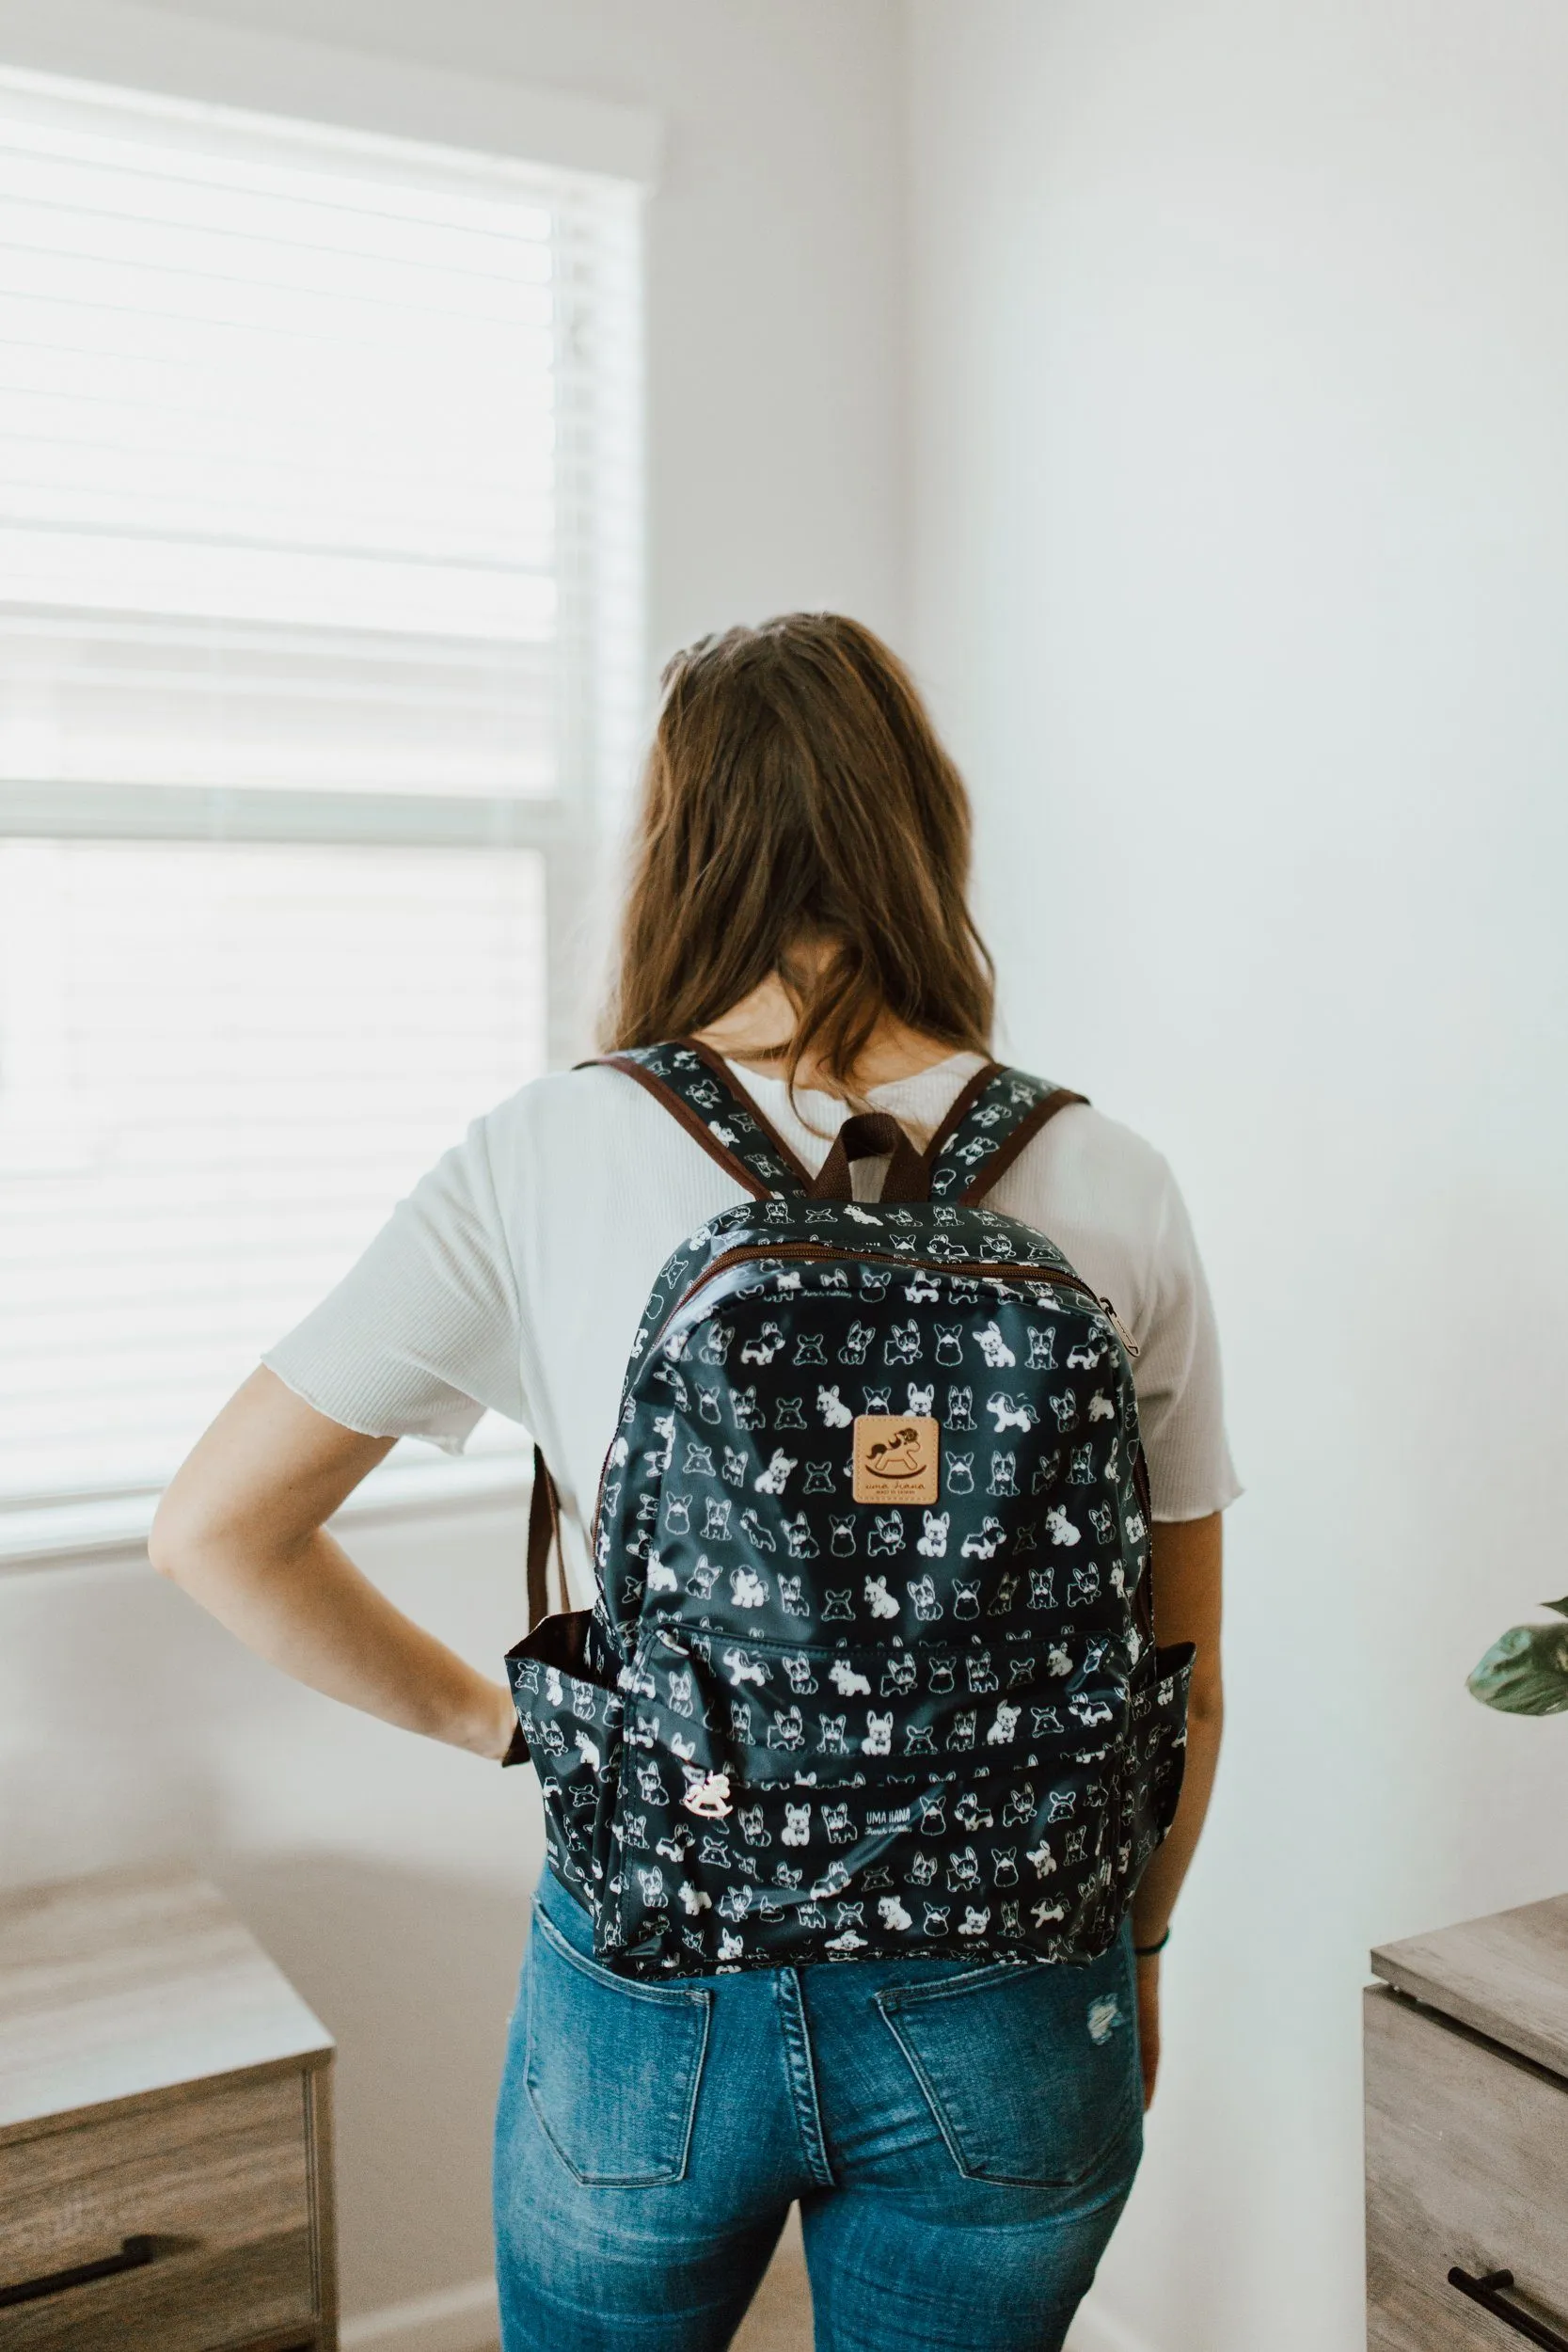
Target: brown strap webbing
[[544, 1536]]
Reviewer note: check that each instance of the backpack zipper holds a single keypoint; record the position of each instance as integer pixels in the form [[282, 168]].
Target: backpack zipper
[[965, 1269], [1129, 1343]]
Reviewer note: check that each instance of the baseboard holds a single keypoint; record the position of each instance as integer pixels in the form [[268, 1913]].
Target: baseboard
[[1094, 2331], [458, 2319]]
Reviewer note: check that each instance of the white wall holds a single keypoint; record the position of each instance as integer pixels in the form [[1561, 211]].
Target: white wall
[[1240, 347], [388, 1876]]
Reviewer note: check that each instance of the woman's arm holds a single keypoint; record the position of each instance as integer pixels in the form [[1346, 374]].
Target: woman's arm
[[1187, 1583], [241, 1530]]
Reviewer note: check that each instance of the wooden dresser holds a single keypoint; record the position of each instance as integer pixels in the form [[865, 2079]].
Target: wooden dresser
[[165, 2150], [1466, 2048]]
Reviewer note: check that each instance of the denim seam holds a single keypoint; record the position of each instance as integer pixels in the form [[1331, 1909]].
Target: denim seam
[[795, 2036], [904, 1995]]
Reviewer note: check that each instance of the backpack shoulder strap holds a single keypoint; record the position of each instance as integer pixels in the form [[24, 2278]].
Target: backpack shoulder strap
[[994, 1116], [697, 1091]]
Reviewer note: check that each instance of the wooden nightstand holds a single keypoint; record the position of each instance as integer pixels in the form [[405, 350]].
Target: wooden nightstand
[[165, 2145], [1466, 2044]]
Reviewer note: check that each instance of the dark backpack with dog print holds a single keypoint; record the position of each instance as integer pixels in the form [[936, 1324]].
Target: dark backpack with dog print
[[871, 1670]]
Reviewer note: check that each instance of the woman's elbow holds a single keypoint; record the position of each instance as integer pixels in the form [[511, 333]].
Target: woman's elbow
[[1206, 1702], [193, 1526], [174, 1540]]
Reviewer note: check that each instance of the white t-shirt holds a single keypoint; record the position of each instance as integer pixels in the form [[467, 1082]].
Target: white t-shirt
[[514, 1274]]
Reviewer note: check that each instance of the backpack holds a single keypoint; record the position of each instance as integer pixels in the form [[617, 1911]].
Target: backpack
[[871, 1669]]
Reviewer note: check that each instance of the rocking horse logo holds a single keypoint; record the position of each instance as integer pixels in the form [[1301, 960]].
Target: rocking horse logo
[[708, 1795], [895, 1458]]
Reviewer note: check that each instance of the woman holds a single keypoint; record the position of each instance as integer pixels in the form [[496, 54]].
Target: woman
[[798, 906]]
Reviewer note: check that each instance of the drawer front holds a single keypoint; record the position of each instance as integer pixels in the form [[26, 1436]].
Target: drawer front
[[1466, 2165], [219, 2180]]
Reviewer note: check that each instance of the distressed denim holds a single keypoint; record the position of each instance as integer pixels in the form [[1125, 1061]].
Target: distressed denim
[[961, 2140]]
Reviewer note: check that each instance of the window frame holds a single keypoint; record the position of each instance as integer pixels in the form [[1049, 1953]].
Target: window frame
[[132, 49]]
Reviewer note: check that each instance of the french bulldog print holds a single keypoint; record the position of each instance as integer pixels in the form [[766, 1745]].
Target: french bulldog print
[[897, 1673], [798, 1535], [715, 1520], [923, 1597], [993, 1347], [932, 1541]]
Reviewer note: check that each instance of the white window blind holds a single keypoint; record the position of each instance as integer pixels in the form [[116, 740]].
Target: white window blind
[[319, 658]]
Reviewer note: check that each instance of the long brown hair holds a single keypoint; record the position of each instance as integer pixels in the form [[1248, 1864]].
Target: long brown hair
[[795, 792]]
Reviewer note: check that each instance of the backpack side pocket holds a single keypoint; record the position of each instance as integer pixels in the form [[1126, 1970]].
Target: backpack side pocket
[[571, 1720], [1157, 1752]]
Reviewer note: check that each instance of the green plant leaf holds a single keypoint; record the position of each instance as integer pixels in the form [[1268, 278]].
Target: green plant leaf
[[1526, 1673]]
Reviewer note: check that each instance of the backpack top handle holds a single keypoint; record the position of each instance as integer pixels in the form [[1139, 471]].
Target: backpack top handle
[[873, 1134]]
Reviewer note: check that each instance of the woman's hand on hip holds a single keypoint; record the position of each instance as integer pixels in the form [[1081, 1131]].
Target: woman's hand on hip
[[240, 1530]]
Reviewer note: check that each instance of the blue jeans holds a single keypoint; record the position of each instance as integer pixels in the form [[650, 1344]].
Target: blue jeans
[[961, 2141]]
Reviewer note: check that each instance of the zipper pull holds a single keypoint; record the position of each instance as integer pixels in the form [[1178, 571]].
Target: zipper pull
[[1123, 1334]]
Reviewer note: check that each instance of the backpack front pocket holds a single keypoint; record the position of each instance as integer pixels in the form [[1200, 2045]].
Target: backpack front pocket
[[780, 1804]]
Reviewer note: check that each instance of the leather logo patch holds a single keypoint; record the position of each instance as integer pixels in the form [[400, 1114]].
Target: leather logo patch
[[897, 1457]]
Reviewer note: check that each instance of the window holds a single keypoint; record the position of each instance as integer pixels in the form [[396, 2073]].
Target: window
[[319, 660]]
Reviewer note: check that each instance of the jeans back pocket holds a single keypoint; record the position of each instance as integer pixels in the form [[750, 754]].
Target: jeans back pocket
[[611, 2067], [1031, 2073]]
